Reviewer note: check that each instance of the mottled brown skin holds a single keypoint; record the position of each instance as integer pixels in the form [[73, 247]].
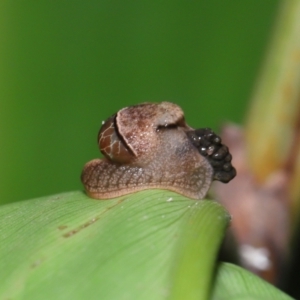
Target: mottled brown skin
[[147, 146]]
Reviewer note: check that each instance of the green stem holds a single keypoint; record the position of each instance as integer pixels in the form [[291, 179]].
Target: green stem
[[273, 121]]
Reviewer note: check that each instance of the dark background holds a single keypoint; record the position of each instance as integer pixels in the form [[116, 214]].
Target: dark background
[[67, 65]]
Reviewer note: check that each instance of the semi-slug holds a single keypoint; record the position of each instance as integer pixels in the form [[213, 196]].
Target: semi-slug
[[150, 146]]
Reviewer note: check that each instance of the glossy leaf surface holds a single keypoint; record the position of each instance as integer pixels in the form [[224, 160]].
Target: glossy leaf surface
[[149, 245]]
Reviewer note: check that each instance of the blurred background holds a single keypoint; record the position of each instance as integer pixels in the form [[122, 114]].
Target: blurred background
[[67, 66]]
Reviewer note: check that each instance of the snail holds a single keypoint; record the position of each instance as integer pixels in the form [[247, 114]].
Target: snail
[[150, 146]]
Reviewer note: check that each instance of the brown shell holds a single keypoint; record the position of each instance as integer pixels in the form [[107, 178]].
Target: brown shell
[[111, 143]]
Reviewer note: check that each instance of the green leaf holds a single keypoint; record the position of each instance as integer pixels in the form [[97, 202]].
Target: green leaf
[[149, 245], [233, 282]]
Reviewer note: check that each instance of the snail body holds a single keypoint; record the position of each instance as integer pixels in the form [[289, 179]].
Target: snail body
[[151, 146]]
